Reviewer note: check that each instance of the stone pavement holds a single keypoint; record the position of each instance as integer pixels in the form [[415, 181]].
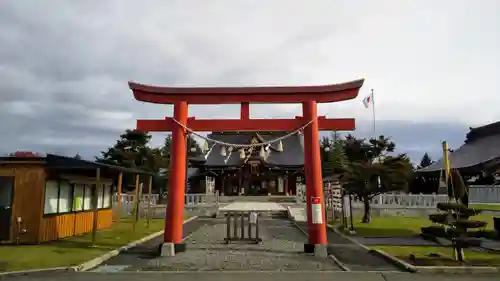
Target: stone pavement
[[352, 255], [281, 249], [251, 276]]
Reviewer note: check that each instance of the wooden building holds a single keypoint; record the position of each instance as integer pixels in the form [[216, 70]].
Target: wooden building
[[270, 170], [52, 197], [478, 161]]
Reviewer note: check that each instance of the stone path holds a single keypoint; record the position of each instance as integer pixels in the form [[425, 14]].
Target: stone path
[[352, 255], [281, 249]]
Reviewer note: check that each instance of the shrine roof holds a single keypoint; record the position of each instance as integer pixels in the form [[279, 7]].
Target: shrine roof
[[481, 149], [291, 156], [262, 94]]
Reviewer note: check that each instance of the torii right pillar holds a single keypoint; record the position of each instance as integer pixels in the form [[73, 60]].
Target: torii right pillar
[[316, 223]]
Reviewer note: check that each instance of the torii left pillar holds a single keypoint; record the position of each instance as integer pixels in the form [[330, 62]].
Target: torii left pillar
[[316, 223], [175, 205]]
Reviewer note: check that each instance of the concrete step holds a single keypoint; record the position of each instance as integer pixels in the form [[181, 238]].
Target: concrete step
[[268, 209], [264, 198]]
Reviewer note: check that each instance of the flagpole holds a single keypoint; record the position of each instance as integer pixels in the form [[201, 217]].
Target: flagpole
[[373, 111]]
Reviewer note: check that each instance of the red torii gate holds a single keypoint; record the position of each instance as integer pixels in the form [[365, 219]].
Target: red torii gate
[[309, 96]]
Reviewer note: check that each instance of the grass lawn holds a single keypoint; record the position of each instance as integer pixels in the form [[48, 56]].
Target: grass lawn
[[402, 226], [73, 250], [426, 256]]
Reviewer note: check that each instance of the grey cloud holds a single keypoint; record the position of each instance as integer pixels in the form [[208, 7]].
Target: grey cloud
[[64, 66]]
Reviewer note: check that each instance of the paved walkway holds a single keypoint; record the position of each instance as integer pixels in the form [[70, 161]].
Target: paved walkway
[[352, 255], [281, 249]]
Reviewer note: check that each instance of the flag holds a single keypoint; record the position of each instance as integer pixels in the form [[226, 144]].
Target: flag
[[368, 100]]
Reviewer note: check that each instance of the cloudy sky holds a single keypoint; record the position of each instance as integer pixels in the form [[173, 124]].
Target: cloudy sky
[[64, 65]]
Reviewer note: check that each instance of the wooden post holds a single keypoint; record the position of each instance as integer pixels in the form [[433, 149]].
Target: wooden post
[[150, 187], [94, 204], [119, 192], [135, 213]]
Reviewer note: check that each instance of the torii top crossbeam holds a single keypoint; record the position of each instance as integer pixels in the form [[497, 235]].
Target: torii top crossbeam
[[246, 95], [228, 95]]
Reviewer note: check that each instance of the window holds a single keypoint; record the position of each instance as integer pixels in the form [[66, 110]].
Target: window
[[78, 197], [107, 196], [51, 196], [65, 197], [87, 199], [100, 194]]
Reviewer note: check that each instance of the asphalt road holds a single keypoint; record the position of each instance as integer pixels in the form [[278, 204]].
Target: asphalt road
[[251, 276]]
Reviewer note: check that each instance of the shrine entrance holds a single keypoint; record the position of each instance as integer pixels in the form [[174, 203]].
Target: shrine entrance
[[309, 124]]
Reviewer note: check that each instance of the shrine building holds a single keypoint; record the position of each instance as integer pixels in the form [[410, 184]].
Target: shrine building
[[274, 169]]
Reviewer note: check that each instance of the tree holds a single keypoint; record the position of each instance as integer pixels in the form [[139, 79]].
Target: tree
[[426, 161], [325, 147], [193, 148], [370, 171], [334, 158], [132, 150], [165, 155]]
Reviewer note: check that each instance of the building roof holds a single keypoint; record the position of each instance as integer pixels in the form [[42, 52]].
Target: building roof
[[291, 156], [62, 162], [482, 146]]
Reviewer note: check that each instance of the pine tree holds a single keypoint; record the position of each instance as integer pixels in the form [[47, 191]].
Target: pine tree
[[338, 157], [131, 150], [426, 161]]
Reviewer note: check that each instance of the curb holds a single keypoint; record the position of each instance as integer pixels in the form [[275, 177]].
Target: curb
[[422, 269], [333, 257], [348, 238], [397, 262], [106, 256], [458, 269], [93, 262], [393, 260], [34, 271]]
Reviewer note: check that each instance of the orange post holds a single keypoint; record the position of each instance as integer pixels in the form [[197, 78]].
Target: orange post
[[119, 198], [314, 182], [137, 201], [177, 178]]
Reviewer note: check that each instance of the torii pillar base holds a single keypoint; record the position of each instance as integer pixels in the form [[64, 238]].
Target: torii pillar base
[[170, 249], [319, 250]]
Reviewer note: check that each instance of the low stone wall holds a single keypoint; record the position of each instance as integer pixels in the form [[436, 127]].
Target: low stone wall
[[391, 211]]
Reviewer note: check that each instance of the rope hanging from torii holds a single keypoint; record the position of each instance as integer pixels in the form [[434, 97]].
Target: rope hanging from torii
[[243, 146]]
